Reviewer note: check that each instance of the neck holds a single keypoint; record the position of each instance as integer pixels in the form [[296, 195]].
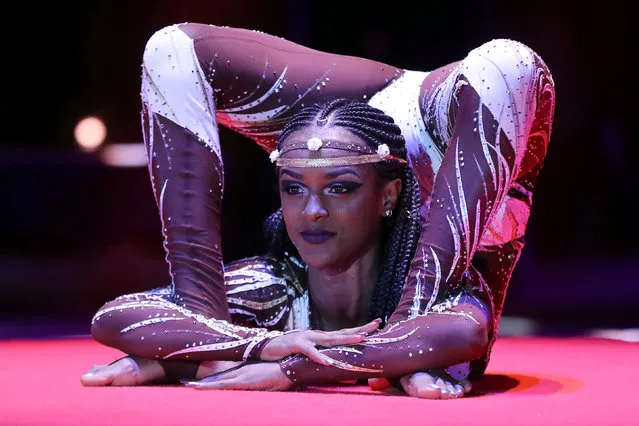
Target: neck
[[341, 299]]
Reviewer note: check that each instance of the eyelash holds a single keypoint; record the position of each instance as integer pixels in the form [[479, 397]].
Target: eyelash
[[345, 187]]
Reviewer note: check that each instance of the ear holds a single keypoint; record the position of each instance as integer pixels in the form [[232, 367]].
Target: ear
[[390, 194]]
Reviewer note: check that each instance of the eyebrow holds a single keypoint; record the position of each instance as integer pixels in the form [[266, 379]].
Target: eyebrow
[[342, 171], [330, 175]]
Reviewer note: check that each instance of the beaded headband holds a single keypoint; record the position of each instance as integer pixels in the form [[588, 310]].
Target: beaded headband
[[314, 144]]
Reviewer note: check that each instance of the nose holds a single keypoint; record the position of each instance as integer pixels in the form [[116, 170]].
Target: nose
[[314, 210]]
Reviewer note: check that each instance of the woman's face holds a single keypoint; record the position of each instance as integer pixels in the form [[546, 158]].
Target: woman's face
[[333, 214]]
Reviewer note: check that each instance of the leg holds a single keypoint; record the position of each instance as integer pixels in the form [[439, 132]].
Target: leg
[[193, 76], [256, 80], [503, 240], [489, 113]]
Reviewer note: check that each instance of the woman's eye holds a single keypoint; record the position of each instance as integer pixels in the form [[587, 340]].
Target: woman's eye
[[291, 188], [344, 188], [338, 189]]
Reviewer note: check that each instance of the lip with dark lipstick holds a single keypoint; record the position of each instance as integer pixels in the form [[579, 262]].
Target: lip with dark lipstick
[[316, 236]]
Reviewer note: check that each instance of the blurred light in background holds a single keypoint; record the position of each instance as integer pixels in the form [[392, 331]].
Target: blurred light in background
[[90, 133], [124, 155], [626, 335]]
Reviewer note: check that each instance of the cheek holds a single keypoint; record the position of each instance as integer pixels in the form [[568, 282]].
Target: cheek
[[360, 216], [290, 211]]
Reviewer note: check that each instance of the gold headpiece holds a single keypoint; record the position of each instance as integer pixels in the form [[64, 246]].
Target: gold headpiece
[[314, 144]]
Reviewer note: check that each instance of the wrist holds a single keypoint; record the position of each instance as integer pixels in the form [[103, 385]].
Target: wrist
[[253, 351]]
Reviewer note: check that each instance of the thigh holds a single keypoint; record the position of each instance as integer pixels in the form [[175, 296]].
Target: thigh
[[259, 80]]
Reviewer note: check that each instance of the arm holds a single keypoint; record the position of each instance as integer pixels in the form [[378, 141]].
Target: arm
[[152, 325], [260, 292], [489, 100]]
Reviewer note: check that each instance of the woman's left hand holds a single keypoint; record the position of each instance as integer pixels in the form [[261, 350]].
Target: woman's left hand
[[264, 376]]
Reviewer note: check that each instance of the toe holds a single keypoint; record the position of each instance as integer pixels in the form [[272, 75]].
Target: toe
[[91, 380], [452, 392], [441, 384], [428, 392], [96, 368]]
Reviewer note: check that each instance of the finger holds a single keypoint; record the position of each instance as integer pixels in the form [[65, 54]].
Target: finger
[[337, 339], [366, 328], [216, 385], [313, 353], [222, 375]]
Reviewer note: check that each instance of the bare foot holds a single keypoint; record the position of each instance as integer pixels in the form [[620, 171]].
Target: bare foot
[[433, 384], [127, 371]]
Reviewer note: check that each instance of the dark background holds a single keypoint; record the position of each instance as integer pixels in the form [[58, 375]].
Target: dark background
[[76, 233]]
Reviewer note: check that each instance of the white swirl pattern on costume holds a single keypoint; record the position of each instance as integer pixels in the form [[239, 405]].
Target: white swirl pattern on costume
[[174, 86], [506, 70]]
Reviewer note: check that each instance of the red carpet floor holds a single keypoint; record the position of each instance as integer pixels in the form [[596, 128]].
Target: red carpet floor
[[530, 381]]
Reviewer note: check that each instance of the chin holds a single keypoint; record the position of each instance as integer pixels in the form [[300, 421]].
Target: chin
[[329, 265]]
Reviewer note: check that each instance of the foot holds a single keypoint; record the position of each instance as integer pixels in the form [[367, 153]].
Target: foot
[[431, 384], [127, 371], [434, 384]]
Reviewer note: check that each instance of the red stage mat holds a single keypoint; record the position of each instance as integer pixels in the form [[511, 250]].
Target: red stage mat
[[530, 381]]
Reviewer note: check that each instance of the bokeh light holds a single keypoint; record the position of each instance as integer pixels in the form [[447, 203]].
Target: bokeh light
[[90, 133]]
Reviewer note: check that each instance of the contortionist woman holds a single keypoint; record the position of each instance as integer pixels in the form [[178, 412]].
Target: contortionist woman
[[405, 197]]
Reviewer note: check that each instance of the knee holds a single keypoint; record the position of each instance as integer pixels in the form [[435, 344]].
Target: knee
[[160, 44], [476, 336], [105, 325], [100, 328], [513, 61]]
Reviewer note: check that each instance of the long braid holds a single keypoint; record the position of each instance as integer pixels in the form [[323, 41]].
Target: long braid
[[275, 233], [401, 232]]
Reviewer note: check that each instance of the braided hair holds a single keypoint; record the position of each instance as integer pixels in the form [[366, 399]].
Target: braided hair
[[401, 231]]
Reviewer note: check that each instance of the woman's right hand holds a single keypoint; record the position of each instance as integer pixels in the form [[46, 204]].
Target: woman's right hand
[[306, 341]]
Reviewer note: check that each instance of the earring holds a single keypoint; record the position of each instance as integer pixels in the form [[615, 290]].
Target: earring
[[388, 213]]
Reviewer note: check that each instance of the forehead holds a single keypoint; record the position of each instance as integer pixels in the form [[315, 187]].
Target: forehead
[[362, 171], [325, 133]]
